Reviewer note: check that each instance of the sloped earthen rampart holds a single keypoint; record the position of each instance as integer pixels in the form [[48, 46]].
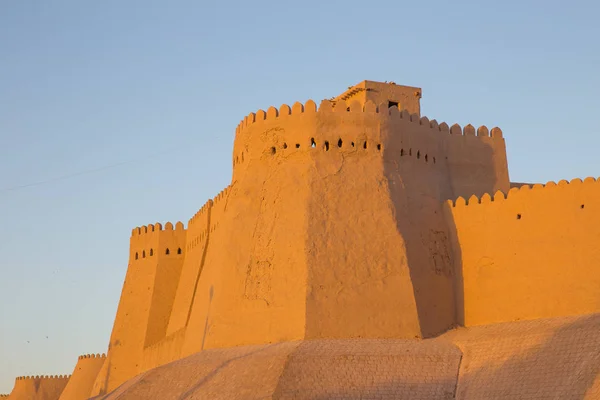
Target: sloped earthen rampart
[[532, 253], [82, 379]]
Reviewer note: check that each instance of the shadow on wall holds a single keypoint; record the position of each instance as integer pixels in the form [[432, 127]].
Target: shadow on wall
[[418, 191], [563, 367]]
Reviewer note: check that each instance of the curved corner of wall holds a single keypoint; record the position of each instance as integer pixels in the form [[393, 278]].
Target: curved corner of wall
[[82, 380]]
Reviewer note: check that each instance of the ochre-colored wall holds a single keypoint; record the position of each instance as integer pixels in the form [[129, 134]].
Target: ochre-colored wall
[[533, 254], [253, 283], [146, 300], [163, 352], [38, 387], [197, 239], [332, 226], [82, 380], [168, 272], [407, 97], [309, 240]]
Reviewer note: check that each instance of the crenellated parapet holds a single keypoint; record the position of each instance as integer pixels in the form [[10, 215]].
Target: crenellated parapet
[[157, 227], [287, 116], [198, 226], [218, 208], [94, 356], [154, 239], [517, 193], [33, 377], [474, 157], [529, 252]]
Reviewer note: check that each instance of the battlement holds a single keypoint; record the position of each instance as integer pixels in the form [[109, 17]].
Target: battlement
[[200, 213], [157, 227], [327, 106], [32, 377], [524, 188], [86, 356], [280, 139]]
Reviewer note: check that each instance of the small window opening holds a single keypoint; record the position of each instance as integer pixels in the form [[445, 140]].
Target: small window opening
[[144, 254], [273, 150], [518, 216], [365, 145], [285, 145], [418, 154], [297, 145], [348, 109], [312, 143], [326, 146], [136, 256], [242, 156], [340, 143], [582, 206], [392, 104], [167, 251], [401, 152], [151, 252], [410, 152], [378, 146], [352, 144], [179, 250], [434, 160], [426, 158]]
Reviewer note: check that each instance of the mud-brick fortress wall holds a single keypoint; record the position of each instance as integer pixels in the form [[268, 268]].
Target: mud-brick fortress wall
[[155, 261], [42, 387], [81, 382], [531, 254], [326, 213], [332, 227]]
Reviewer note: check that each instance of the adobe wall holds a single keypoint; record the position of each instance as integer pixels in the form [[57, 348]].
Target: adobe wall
[[302, 177], [82, 380], [155, 261], [163, 352], [407, 97], [533, 254], [253, 283], [40, 387], [195, 253]]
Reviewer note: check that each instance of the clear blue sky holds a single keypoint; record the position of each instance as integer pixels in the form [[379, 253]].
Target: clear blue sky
[[162, 85]]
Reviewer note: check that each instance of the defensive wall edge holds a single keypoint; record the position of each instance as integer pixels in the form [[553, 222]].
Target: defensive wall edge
[[86, 356], [29, 377], [287, 115], [522, 189], [144, 241], [528, 253], [82, 379]]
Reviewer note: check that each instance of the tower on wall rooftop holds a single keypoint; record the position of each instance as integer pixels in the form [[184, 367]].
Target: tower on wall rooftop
[[404, 97]]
